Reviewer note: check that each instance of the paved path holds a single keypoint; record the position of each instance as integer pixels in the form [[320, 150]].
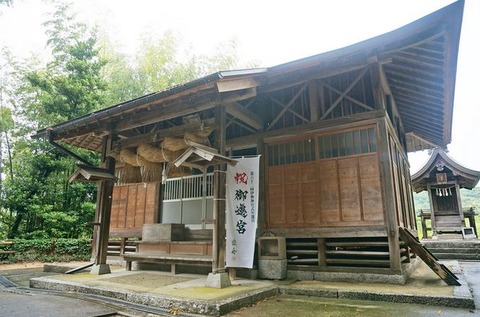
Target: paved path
[[16, 302], [471, 271], [288, 305]]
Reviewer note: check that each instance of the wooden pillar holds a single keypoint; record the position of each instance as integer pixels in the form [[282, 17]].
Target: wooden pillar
[[432, 211], [389, 196], [104, 205], [378, 95], [322, 253], [218, 247], [459, 203], [261, 188], [313, 100]]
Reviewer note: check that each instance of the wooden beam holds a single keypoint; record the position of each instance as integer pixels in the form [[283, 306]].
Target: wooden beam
[[286, 81], [158, 135], [361, 104], [162, 114], [290, 103], [219, 204], [225, 85], [104, 205], [388, 193], [289, 110], [313, 99], [241, 124], [439, 33], [345, 92], [247, 116], [304, 128]]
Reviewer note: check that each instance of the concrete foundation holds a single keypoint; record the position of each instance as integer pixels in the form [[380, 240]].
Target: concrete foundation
[[399, 279], [218, 280], [272, 269], [100, 269]]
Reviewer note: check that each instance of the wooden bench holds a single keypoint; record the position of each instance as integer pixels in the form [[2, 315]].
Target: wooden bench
[[167, 258], [8, 243], [172, 244]]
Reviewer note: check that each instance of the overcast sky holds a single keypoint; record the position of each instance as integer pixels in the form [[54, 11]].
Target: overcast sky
[[269, 33]]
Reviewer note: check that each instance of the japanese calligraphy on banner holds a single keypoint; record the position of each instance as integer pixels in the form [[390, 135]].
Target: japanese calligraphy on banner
[[242, 211]]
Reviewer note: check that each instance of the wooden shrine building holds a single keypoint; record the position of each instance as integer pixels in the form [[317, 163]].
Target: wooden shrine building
[[443, 178], [333, 131]]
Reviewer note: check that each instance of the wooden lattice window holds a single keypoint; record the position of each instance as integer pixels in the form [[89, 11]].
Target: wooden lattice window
[[291, 152], [347, 143]]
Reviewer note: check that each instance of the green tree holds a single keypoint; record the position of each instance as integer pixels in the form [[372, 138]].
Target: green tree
[[39, 198], [160, 63], [71, 85]]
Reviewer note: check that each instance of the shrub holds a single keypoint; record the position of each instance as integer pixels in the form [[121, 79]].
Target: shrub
[[49, 250]]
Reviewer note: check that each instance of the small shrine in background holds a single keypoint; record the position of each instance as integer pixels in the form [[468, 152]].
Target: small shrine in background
[[443, 178]]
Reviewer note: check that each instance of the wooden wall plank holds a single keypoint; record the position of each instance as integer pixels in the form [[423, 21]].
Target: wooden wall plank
[[310, 193], [140, 203], [342, 191], [123, 203], [115, 207], [276, 215], [371, 189], [131, 205], [329, 194], [151, 203], [349, 190]]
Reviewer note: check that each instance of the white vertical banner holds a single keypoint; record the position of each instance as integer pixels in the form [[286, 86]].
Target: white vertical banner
[[242, 211]]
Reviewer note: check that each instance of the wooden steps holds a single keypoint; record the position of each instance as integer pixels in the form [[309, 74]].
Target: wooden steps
[[441, 270]]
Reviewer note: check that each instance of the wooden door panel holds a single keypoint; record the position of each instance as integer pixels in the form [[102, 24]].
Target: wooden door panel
[[151, 204], [122, 212], [293, 204], [310, 203], [309, 173], [349, 189], [115, 207], [140, 205], [131, 206], [275, 175], [292, 174], [276, 209]]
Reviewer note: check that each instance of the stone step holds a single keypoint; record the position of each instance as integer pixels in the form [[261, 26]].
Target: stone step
[[471, 244], [457, 256], [454, 250]]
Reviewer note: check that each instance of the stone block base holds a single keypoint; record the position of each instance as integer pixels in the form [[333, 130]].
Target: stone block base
[[218, 280], [100, 269], [272, 269]]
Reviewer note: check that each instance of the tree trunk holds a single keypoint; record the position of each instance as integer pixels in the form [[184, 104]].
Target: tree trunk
[[14, 230]]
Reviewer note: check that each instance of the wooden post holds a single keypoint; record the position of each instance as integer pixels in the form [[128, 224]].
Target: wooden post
[[106, 190], [218, 247], [459, 202], [104, 207], [313, 100], [261, 188], [432, 211], [424, 224], [378, 95], [389, 195], [322, 253]]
